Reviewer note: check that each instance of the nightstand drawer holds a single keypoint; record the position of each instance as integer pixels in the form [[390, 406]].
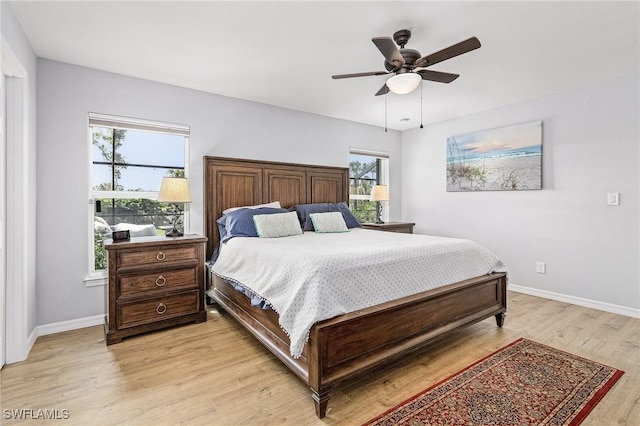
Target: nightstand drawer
[[140, 284], [158, 256], [158, 309]]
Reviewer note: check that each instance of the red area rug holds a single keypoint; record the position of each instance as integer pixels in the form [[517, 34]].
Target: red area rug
[[524, 383]]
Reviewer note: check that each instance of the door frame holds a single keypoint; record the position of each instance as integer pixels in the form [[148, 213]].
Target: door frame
[[3, 163], [16, 339]]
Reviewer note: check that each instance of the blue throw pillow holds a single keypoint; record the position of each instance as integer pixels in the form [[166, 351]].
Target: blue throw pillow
[[349, 218], [222, 230], [239, 223], [304, 210]]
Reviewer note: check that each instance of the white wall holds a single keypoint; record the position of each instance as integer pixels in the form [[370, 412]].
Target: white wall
[[21, 196], [220, 126], [591, 144]]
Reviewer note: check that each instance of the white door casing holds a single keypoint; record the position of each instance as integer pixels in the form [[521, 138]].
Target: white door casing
[[15, 245], [3, 162]]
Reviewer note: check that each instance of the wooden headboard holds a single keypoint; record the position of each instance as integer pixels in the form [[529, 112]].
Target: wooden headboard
[[231, 182]]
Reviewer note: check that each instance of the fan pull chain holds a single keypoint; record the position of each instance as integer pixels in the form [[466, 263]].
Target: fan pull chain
[[385, 112], [421, 126]]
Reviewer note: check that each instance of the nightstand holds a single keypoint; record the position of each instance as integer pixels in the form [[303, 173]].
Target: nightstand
[[154, 283], [402, 227]]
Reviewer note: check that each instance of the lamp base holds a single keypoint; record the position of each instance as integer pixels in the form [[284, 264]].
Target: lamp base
[[378, 213], [174, 233]]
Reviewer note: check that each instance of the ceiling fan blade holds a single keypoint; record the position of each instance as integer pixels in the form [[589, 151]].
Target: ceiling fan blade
[[383, 90], [389, 49], [359, 74], [449, 52], [440, 77]]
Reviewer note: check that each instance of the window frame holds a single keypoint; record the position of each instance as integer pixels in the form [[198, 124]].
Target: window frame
[[99, 277], [382, 174]]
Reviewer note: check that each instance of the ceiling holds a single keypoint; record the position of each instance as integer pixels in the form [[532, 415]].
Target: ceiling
[[284, 53]]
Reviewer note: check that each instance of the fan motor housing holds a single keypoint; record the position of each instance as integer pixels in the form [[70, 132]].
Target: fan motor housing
[[410, 56]]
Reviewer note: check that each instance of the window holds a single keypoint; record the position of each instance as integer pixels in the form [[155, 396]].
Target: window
[[129, 158], [365, 170]]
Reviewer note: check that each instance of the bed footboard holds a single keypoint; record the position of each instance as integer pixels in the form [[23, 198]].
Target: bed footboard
[[361, 341]]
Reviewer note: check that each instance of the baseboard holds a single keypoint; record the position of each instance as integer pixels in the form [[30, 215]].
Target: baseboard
[[58, 327], [30, 342], [588, 303]]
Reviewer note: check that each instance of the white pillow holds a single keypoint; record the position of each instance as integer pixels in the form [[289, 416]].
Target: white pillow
[[277, 225], [275, 204], [328, 222]]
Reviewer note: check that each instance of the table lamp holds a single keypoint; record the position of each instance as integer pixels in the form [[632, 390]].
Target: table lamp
[[379, 193], [175, 191]]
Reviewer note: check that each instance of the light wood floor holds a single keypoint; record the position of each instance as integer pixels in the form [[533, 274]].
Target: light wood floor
[[214, 373]]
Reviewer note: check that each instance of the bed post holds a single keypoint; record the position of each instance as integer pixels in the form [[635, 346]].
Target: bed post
[[319, 391], [502, 297], [321, 400]]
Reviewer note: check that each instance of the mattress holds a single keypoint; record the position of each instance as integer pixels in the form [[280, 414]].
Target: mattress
[[312, 277]]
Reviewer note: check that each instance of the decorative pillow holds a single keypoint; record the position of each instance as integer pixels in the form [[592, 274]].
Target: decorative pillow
[[304, 210], [277, 225], [328, 222], [239, 223], [273, 204]]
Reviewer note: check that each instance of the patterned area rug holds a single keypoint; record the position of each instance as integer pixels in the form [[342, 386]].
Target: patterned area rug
[[524, 383]]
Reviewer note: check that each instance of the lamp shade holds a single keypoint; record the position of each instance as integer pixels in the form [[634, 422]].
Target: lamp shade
[[379, 193], [174, 190], [404, 83]]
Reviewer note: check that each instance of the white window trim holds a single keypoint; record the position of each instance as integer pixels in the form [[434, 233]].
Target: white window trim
[[358, 197], [123, 195], [96, 278], [369, 153], [128, 123], [99, 278]]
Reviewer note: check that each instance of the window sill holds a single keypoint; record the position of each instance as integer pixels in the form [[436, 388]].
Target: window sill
[[96, 279]]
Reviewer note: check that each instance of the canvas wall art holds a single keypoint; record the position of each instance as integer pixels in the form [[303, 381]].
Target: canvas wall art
[[504, 159]]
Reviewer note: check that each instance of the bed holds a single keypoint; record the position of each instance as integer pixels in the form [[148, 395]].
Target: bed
[[349, 344]]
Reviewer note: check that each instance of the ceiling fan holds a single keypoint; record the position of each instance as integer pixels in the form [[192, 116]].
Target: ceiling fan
[[408, 66]]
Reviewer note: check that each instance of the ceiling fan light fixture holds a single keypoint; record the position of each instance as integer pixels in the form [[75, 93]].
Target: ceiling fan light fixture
[[404, 83]]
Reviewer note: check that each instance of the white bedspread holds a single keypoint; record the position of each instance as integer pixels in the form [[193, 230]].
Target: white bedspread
[[312, 277]]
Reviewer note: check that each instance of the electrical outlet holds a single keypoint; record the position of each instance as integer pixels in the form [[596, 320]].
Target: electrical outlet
[[541, 268]]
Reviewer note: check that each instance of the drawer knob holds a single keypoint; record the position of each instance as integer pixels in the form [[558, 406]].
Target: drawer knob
[[161, 256], [161, 309], [160, 281]]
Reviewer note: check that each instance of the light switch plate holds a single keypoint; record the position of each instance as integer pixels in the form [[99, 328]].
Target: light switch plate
[[613, 198]]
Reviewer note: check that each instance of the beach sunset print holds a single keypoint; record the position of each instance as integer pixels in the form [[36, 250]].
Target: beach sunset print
[[504, 159]]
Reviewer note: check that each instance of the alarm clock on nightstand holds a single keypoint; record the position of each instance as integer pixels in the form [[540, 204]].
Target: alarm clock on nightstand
[[120, 236]]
